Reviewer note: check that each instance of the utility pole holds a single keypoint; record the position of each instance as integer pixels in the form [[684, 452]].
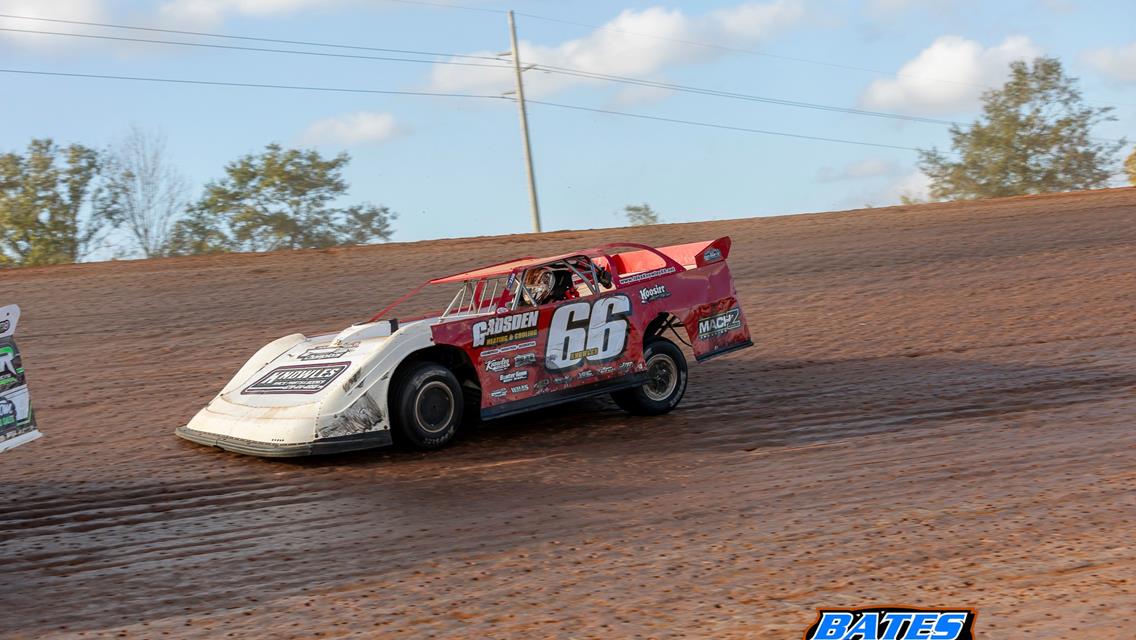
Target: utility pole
[[524, 125]]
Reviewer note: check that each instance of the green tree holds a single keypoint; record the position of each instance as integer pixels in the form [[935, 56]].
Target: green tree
[[1130, 167], [279, 199], [50, 209], [640, 214], [1034, 136]]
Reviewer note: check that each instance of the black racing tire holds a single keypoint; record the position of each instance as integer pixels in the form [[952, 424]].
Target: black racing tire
[[666, 384], [427, 406]]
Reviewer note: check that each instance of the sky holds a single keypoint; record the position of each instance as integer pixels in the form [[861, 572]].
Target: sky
[[453, 166]]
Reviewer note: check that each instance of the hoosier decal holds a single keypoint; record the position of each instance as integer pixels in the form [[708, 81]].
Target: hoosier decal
[[497, 331], [647, 294], [718, 324], [297, 379]]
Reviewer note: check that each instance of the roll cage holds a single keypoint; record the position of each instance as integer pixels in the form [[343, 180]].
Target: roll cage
[[501, 287]]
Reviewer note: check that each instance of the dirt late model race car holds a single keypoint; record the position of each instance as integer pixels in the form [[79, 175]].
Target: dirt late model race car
[[516, 336]]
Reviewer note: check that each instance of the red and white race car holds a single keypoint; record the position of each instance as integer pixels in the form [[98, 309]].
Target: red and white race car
[[516, 336]]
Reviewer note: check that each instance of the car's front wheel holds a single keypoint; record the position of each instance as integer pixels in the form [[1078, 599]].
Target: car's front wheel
[[666, 381], [428, 406]]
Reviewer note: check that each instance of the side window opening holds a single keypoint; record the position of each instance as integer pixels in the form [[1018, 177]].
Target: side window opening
[[567, 279]]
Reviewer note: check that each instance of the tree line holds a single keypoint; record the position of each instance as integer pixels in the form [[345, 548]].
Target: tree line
[[61, 203]]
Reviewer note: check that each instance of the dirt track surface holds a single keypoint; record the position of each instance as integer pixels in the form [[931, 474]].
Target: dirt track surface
[[939, 410]]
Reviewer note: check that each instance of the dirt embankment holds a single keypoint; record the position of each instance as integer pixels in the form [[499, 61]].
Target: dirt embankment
[[939, 410]]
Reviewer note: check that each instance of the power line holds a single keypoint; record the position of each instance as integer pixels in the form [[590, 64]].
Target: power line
[[219, 83], [713, 125], [752, 52], [549, 68], [248, 38], [737, 96], [500, 65], [453, 95], [232, 47], [765, 54]]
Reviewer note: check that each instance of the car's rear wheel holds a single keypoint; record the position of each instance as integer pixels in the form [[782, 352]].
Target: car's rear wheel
[[666, 381], [428, 406]]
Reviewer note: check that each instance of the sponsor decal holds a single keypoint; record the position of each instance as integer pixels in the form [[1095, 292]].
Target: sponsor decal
[[588, 331], [712, 254], [647, 275], [514, 376], [892, 623], [497, 366], [606, 370], [499, 393], [720, 323], [17, 418], [508, 348], [586, 353], [562, 379], [305, 378], [326, 352], [498, 331], [541, 384], [585, 374], [647, 294], [519, 388], [626, 366], [7, 413], [11, 368], [524, 360]]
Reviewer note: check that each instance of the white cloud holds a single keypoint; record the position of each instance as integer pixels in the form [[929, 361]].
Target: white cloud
[[948, 76], [907, 182], [892, 6], [352, 129], [83, 10], [1117, 63], [866, 168], [613, 49], [209, 12], [915, 185]]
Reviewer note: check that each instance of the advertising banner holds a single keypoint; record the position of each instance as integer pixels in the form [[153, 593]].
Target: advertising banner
[[17, 420]]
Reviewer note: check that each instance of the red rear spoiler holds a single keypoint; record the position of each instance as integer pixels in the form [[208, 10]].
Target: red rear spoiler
[[699, 254]]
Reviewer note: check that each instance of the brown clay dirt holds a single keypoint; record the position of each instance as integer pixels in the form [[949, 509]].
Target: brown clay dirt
[[940, 410]]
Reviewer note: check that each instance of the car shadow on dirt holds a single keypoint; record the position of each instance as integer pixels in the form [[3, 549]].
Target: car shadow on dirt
[[745, 404]]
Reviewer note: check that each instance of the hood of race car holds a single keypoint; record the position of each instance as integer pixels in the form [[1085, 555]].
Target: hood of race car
[[305, 373]]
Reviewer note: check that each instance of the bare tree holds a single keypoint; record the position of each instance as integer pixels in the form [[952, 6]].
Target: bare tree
[[147, 192]]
